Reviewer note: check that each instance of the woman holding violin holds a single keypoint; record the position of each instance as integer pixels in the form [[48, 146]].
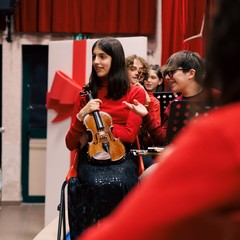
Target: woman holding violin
[[103, 131]]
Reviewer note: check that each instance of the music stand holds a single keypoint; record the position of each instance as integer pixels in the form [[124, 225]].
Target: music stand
[[164, 98]]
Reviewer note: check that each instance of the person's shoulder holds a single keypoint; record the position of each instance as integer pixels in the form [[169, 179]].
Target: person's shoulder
[[138, 93], [153, 98], [136, 89], [178, 98]]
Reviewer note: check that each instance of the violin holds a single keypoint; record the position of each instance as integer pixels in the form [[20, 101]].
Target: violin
[[103, 146]]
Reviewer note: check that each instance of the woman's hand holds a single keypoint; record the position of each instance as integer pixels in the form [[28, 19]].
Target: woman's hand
[[92, 105], [137, 107]]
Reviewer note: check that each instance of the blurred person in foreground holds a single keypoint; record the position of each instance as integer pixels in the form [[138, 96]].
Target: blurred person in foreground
[[194, 193]]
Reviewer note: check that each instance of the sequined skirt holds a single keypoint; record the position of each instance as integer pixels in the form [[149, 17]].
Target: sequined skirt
[[97, 190]]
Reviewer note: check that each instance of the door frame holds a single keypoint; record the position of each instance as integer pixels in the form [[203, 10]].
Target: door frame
[[28, 133]]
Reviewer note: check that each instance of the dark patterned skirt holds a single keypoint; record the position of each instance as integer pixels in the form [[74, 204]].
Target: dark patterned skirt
[[97, 190]]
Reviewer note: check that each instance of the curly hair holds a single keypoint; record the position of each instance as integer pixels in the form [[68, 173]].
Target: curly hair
[[130, 60]]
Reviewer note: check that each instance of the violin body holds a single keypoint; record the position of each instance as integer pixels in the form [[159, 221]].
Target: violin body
[[103, 146]]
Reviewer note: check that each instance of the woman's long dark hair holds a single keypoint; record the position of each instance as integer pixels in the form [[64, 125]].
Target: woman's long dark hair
[[118, 83], [222, 58]]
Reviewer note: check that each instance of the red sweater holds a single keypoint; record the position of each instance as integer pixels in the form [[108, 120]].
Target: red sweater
[[193, 194], [126, 124], [154, 108]]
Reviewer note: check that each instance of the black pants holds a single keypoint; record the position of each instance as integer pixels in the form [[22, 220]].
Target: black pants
[[97, 190]]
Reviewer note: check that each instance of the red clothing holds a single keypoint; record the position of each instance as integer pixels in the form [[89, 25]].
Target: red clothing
[[154, 111], [193, 194], [125, 123], [154, 107], [157, 132]]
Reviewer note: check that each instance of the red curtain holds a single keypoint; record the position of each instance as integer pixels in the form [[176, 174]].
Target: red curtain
[[183, 26], [172, 37], [27, 12], [45, 9], [66, 16], [86, 16], [100, 16], [147, 14], [193, 15], [128, 16]]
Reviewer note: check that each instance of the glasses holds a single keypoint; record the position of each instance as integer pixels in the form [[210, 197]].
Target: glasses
[[170, 73]]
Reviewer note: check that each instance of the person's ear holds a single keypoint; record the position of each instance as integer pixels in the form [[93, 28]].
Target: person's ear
[[192, 73], [160, 81]]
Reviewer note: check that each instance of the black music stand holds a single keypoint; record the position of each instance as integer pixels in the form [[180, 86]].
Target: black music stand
[[164, 98], [180, 113]]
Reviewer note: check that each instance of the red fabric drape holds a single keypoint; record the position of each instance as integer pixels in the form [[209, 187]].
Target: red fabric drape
[[86, 16], [45, 9], [99, 16], [182, 23], [193, 15], [106, 16], [128, 16], [172, 37], [148, 15], [27, 12], [66, 16]]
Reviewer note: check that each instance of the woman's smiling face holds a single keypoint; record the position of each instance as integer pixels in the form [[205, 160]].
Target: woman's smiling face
[[101, 62], [178, 81]]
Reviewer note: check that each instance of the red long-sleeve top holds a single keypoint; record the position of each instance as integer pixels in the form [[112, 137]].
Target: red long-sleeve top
[[126, 123], [154, 108], [193, 194]]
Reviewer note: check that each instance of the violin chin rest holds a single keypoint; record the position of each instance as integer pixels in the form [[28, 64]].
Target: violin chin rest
[[102, 156]]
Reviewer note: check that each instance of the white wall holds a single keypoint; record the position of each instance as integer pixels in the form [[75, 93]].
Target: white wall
[[11, 110]]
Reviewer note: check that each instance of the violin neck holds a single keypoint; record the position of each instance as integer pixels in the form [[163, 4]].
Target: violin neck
[[96, 115], [98, 120]]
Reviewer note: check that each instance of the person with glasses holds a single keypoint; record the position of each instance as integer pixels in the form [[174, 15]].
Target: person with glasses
[[184, 72]]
